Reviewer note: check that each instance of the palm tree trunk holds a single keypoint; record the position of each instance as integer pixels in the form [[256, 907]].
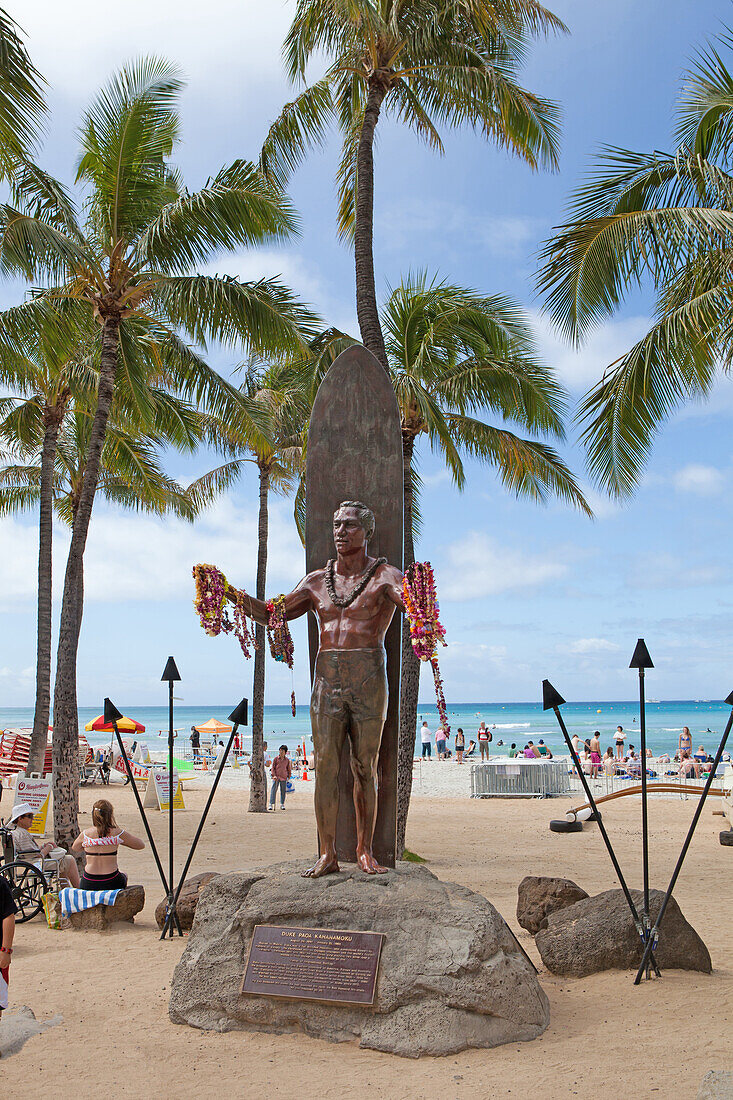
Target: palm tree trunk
[[258, 780], [366, 295], [410, 681], [65, 715], [53, 416]]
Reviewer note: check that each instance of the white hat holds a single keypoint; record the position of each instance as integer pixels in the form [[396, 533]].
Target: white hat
[[20, 809]]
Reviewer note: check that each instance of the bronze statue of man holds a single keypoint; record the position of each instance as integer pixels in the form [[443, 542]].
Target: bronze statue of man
[[354, 598]]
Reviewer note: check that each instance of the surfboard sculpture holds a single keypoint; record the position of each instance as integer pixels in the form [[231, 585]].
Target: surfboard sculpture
[[355, 453]]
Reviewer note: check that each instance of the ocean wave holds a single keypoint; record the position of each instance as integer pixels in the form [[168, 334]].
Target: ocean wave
[[672, 729], [511, 726]]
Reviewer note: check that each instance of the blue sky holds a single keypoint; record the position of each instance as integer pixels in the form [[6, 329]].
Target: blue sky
[[526, 591]]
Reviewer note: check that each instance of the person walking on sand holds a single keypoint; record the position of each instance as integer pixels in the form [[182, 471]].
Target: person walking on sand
[[8, 909], [426, 739], [440, 743], [484, 737], [280, 772], [620, 737], [460, 745]]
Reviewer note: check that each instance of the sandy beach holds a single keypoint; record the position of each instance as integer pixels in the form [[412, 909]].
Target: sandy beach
[[606, 1037]]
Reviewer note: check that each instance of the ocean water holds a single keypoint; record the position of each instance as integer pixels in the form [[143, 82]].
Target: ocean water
[[510, 722]]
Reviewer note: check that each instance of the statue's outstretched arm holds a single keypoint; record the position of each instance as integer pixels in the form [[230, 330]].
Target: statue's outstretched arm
[[393, 588], [297, 603]]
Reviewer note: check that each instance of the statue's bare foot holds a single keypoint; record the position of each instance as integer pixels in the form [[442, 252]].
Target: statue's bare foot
[[369, 865], [326, 865]]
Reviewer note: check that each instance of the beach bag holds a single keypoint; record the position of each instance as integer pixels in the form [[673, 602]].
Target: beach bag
[[290, 786], [52, 909]]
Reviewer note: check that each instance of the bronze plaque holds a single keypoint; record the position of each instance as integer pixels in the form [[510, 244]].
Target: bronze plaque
[[313, 964]]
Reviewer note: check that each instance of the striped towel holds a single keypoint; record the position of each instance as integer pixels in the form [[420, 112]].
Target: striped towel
[[76, 901]]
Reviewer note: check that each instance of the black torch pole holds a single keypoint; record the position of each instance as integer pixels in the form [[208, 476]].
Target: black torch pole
[[171, 674], [654, 934], [239, 717], [552, 701], [135, 791], [641, 661]]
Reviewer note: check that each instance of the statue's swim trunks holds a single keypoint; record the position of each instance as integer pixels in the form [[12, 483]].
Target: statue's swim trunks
[[350, 683]]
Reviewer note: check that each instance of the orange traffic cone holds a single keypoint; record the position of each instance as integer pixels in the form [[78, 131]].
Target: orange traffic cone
[[305, 772]]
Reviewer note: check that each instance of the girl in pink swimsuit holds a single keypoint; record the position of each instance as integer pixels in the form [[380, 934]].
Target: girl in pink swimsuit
[[100, 845]]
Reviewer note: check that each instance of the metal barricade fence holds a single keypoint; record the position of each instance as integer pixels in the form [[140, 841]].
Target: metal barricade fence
[[525, 779]]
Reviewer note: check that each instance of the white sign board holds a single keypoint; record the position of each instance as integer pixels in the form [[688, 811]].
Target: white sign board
[[37, 793], [156, 792]]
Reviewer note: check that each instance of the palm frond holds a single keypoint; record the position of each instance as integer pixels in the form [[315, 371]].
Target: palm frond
[[264, 316], [126, 135], [22, 104], [237, 207], [526, 467], [301, 125]]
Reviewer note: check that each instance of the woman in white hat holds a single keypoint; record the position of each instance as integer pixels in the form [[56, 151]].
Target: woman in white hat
[[26, 846]]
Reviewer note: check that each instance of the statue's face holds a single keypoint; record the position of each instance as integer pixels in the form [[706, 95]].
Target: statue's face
[[348, 533]]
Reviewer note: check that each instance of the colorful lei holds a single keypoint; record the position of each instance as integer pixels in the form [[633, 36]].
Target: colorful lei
[[278, 631], [426, 631], [212, 592], [280, 638]]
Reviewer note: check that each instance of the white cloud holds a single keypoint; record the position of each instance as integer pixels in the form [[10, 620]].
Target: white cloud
[[135, 557], [478, 566], [698, 479], [593, 645], [227, 43], [579, 369]]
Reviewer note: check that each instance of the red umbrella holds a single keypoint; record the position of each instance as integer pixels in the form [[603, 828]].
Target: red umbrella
[[126, 725]]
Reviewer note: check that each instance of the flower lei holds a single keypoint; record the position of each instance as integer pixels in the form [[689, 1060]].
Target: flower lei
[[210, 603], [279, 637], [426, 631]]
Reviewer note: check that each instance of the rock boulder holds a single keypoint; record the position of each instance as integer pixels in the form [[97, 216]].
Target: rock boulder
[[97, 919], [538, 897], [187, 900], [598, 934], [451, 973]]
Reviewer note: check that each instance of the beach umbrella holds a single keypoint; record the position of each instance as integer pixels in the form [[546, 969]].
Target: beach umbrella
[[126, 725], [214, 726]]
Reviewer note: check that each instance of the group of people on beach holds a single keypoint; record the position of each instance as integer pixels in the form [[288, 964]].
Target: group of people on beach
[[100, 845], [689, 764], [478, 747]]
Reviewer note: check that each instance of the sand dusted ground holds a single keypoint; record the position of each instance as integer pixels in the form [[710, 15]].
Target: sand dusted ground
[[606, 1037]]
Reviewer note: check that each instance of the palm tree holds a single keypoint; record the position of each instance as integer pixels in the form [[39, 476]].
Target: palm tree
[[128, 265], [49, 431], [130, 476], [455, 355], [426, 63], [282, 391], [42, 366], [664, 220]]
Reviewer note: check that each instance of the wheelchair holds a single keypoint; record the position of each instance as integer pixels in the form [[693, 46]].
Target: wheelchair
[[27, 880]]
